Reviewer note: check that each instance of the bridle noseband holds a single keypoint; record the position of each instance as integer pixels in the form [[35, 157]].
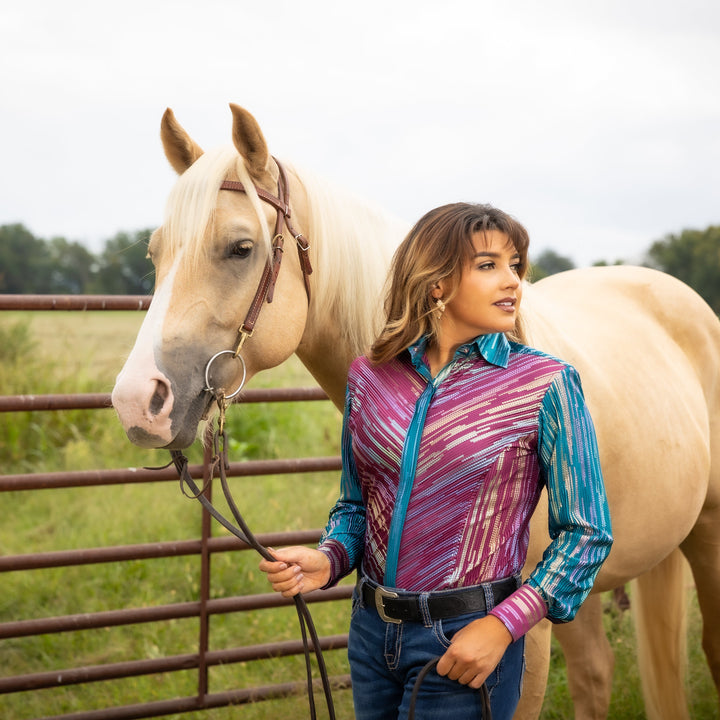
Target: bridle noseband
[[266, 287]]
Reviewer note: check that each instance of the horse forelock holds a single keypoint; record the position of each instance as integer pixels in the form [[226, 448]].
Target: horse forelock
[[190, 211], [347, 232]]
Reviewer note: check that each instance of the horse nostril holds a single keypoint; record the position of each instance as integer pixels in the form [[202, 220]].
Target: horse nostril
[[159, 397]]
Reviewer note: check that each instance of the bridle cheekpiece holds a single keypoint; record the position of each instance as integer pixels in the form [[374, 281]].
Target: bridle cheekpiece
[[266, 287]]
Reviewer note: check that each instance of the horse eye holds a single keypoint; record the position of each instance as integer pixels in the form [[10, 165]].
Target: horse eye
[[240, 249]]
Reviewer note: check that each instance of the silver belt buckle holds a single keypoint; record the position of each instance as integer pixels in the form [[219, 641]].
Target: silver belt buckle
[[380, 594]]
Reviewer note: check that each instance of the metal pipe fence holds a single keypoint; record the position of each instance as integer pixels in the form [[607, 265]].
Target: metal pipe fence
[[206, 546]]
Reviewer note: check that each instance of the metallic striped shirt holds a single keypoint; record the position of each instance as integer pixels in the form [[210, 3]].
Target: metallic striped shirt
[[441, 475]]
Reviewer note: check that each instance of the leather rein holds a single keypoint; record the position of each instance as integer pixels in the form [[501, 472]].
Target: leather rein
[[219, 462]]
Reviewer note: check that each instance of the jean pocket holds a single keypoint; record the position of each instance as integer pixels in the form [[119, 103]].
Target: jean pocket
[[445, 630]]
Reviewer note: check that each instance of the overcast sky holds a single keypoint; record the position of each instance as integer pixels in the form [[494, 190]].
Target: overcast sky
[[597, 124]]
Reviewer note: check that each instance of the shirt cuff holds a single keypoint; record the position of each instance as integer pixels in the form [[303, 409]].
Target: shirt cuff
[[521, 611], [339, 561]]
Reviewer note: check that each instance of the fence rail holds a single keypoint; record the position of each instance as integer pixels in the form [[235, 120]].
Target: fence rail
[[205, 546]]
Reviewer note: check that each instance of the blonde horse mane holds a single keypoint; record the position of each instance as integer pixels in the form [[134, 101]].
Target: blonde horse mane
[[347, 232]]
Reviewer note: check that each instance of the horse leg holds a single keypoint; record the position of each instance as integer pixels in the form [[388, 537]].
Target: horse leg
[[702, 549], [660, 622], [589, 660], [621, 598], [537, 664]]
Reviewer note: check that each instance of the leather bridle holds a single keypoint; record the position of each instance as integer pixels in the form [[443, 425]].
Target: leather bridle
[[266, 288]]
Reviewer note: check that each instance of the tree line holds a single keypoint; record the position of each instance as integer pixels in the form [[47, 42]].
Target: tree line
[[692, 256], [31, 265]]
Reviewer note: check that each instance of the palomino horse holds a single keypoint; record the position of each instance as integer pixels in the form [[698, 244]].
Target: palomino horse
[[646, 346]]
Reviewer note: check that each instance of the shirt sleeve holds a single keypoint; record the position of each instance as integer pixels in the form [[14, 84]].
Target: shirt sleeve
[[344, 536], [578, 514]]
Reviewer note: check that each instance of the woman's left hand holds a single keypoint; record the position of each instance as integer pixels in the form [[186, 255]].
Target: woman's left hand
[[475, 651]]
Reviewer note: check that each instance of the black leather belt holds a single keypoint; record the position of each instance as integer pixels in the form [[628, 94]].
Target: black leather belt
[[396, 607]]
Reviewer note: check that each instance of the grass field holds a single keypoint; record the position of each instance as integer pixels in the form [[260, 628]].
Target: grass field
[[59, 352]]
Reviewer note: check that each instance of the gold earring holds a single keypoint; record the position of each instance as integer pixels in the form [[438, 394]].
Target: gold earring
[[439, 308]]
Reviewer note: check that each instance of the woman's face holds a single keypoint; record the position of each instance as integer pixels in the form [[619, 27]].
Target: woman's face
[[488, 295]]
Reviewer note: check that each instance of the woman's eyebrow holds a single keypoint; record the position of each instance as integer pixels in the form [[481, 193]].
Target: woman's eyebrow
[[491, 254]]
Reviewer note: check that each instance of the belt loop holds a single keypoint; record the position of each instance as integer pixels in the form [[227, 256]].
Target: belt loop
[[489, 596], [425, 609], [361, 581]]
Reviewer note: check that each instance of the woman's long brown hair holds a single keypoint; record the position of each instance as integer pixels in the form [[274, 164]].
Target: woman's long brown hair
[[438, 247]]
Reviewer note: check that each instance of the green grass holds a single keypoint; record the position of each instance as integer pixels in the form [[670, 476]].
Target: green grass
[[57, 352]]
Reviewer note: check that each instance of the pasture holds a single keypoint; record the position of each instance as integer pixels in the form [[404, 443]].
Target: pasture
[[58, 352]]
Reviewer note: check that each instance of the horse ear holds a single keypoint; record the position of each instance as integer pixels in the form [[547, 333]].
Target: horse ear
[[250, 142], [180, 149]]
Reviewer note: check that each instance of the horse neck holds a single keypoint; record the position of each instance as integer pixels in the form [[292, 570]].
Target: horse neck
[[328, 362], [353, 243]]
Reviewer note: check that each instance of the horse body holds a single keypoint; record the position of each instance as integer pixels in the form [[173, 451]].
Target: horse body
[[626, 329], [649, 361], [646, 346]]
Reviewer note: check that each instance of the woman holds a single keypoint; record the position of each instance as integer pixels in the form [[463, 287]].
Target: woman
[[451, 430]]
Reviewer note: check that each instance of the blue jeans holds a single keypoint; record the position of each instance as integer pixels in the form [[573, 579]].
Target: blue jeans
[[386, 658]]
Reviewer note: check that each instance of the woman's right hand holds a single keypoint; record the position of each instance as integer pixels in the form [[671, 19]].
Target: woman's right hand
[[297, 569]]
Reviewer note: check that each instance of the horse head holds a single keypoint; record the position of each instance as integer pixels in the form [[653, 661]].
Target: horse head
[[211, 255]]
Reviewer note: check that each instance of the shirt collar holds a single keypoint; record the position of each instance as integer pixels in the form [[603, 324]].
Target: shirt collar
[[494, 348]]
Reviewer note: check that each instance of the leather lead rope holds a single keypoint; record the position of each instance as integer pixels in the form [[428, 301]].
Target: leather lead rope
[[484, 695], [220, 464]]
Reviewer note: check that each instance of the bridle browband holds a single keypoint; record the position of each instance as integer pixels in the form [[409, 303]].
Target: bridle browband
[[266, 288]]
